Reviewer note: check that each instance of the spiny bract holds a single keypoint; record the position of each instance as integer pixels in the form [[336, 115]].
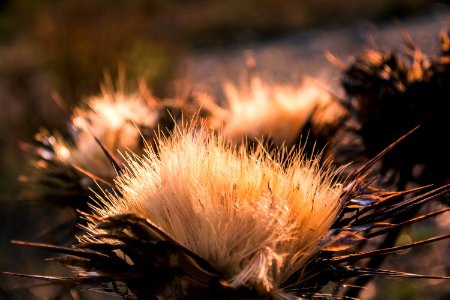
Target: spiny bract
[[389, 93]]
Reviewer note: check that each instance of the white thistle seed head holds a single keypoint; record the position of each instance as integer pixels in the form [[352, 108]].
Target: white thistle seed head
[[250, 217], [112, 117], [262, 109]]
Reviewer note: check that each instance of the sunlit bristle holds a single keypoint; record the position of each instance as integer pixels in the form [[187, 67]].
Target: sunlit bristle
[[65, 167], [114, 118], [260, 109], [252, 219]]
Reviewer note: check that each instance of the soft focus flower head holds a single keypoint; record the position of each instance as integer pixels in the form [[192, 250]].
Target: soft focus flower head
[[283, 114], [101, 128], [391, 92], [114, 118], [243, 213]]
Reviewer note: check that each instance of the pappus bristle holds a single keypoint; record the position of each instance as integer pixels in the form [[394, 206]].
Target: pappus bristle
[[113, 118], [261, 109], [64, 167], [255, 221]]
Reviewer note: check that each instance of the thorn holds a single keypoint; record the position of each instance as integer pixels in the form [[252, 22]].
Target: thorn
[[334, 60]]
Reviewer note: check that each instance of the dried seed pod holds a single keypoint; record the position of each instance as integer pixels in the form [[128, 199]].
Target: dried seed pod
[[388, 94]]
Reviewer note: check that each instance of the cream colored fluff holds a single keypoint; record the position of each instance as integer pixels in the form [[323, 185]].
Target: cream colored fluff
[[254, 220], [262, 109], [112, 118]]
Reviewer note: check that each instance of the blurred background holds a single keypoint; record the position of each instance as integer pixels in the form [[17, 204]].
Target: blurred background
[[50, 48]]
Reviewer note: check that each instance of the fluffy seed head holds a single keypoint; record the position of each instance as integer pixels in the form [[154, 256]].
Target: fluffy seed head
[[112, 117], [253, 219], [276, 111]]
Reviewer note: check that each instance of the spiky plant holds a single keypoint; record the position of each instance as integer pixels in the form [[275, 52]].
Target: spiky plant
[[201, 220], [387, 94], [100, 128], [391, 92], [280, 114]]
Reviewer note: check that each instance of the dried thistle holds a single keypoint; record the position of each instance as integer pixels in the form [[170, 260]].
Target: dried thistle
[[200, 220], [280, 114], [391, 92], [101, 127]]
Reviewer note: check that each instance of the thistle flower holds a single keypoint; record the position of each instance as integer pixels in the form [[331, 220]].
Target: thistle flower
[[200, 220], [100, 127], [387, 94], [391, 92], [111, 117], [203, 184], [283, 114]]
